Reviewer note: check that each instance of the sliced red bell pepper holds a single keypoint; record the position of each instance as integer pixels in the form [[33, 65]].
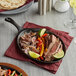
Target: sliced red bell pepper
[[44, 35], [9, 72], [41, 58], [39, 39], [39, 42], [41, 45], [16, 74], [38, 58]]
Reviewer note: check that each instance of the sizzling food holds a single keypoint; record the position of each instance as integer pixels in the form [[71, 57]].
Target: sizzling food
[[41, 46]]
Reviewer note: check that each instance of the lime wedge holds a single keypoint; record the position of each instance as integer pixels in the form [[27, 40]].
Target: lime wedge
[[59, 55], [41, 32], [33, 54]]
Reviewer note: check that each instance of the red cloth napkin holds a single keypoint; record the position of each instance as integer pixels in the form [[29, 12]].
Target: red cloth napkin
[[28, 1], [14, 52]]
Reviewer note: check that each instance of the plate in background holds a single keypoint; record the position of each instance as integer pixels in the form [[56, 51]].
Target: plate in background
[[18, 10], [12, 67]]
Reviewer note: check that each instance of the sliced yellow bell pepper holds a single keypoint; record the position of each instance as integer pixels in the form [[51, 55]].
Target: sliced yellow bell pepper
[[42, 50]]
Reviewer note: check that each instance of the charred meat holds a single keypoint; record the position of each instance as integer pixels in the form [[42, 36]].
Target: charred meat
[[44, 47]]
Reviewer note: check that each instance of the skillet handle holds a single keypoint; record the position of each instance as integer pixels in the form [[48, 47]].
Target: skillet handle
[[8, 19]]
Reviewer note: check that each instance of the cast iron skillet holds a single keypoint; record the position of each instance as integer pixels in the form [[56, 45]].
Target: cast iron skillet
[[21, 32]]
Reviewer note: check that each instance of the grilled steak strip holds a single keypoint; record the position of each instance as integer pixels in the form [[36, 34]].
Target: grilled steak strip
[[53, 40], [53, 50]]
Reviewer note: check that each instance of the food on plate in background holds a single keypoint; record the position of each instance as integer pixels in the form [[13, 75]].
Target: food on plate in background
[[11, 4], [41, 45], [8, 72], [2, 72]]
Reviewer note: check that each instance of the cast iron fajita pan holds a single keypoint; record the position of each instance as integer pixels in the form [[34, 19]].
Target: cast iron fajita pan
[[21, 32]]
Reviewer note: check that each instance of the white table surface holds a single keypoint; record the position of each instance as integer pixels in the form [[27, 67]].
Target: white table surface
[[53, 19]]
